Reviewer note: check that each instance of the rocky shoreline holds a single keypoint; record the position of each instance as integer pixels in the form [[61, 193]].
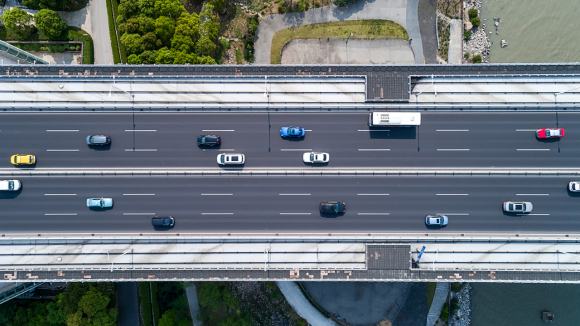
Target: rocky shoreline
[[462, 317], [479, 42]]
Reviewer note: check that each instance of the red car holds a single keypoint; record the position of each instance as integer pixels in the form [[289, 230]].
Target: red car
[[550, 133]]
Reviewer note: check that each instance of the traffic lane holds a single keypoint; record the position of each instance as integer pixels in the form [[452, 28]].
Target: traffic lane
[[258, 208]]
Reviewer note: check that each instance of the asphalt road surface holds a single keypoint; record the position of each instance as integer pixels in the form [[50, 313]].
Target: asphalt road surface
[[148, 140], [289, 204]]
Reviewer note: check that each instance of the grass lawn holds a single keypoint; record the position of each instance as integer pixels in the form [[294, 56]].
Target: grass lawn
[[360, 29]]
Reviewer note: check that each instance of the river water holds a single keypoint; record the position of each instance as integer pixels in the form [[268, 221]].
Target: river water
[[512, 304], [536, 30]]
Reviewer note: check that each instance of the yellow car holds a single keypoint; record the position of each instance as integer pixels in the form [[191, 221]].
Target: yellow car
[[21, 159]]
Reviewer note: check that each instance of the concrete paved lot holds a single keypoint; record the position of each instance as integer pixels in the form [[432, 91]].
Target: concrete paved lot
[[66, 58], [402, 12], [341, 51], [357, 303]]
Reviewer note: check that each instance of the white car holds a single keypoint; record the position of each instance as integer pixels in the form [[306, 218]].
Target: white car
[[227, 159], [10, 185], [518, 207], [574, 186], [436, 220], [313, 157]]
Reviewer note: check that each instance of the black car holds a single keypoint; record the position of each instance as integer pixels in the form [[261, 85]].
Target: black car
[[333, 207], [163, 221], [208, 140], [98, 140]]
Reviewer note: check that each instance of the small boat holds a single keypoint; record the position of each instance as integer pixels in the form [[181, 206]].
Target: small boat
[[548, 317]]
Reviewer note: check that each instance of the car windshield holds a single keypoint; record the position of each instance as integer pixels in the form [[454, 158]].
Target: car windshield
[[324, 156], [511, 207], [222, 158], [203, 140], [335, 207], [312, 157], [11, 185]]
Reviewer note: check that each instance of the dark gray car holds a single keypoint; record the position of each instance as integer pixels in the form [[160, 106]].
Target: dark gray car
[[98, 140], [163, 221], [208, 140], [332, 207]]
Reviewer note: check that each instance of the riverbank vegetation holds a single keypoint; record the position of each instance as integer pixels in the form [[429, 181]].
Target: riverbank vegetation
[[351, 29]]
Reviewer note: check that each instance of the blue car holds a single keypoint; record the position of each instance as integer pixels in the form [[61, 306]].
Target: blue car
[[100, 202], [292, 132]]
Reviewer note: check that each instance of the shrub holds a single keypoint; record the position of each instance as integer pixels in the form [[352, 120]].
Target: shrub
[[472, 13], [475, 22], [225, 43], [134, 59], [302, 5], [466, 55], [476, 58], [49, 23], [148, 57], [466, 34], [281, 6]]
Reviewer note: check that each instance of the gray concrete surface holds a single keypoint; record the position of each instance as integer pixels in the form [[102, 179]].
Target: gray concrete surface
[[301, 305], [193, 304], [128, 300], [95, 21], [65, 58], [403, 12], [357, 303], [342, 51], [427, 12], [439, 299], [455, 52]]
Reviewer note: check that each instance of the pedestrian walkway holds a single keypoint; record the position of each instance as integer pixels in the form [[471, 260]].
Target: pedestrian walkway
[[441, 292], [193, 304], [455, 42], [128, 303], [302, 306], [402, 12]]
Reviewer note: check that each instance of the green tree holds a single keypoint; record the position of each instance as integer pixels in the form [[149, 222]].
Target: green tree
[[211, 26], [475, 22], [93, 301], [210, 295], [164, 57], [181, 43], [188, 25], [168, 318], [45, 4], [149, 41], [56, 315], [147, 8], [132, 26], [128, 8], [164, 29], [206, 60], [341, 3], [148, 57], [169, 8], [134, 59], [204, 47], [146, 25], [473, 13], [218, 5], [49, 23], [19, 22], [476, 58], [182, 58], [133, 43]]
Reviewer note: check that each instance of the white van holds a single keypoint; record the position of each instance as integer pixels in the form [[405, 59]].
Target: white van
[[394, 119], [10, 185]]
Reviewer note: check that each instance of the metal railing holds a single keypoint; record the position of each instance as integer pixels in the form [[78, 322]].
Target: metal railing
[[20, 55]]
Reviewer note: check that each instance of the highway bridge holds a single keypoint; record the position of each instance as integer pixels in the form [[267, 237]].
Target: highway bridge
[[261, 220]]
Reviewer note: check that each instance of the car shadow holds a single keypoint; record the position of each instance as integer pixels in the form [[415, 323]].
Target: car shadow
[[573, 194], [435, 227], [10, 194], [514, 214], [99, 209], [294, 139], [548, 140], [163, 228], [315, 165], [25, 167], [393, 133], [327, 215], [100, 148], [210, 148]]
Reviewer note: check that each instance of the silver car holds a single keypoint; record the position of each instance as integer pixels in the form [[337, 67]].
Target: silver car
[[227, 159], [312, 157], [436, 220], [574, 186], [518, 207]]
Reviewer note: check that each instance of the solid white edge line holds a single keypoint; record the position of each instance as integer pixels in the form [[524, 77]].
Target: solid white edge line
[[374, 149], [374, 130], [532, 194], [528, 129], [374, 213], [138, 194], [294, 194], [140, 150], [533, 149], [308, 130], [67, 214], [452, 194], [138, 213], [60, 194], [62, 150], [217, 213], [452, 149], [217, 130], [217, 194], [452, 130], [218, 150], [295, 213], [56, 130], [372, 194], [535, 214], [140, 130], [296, 149], [450, 214]]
